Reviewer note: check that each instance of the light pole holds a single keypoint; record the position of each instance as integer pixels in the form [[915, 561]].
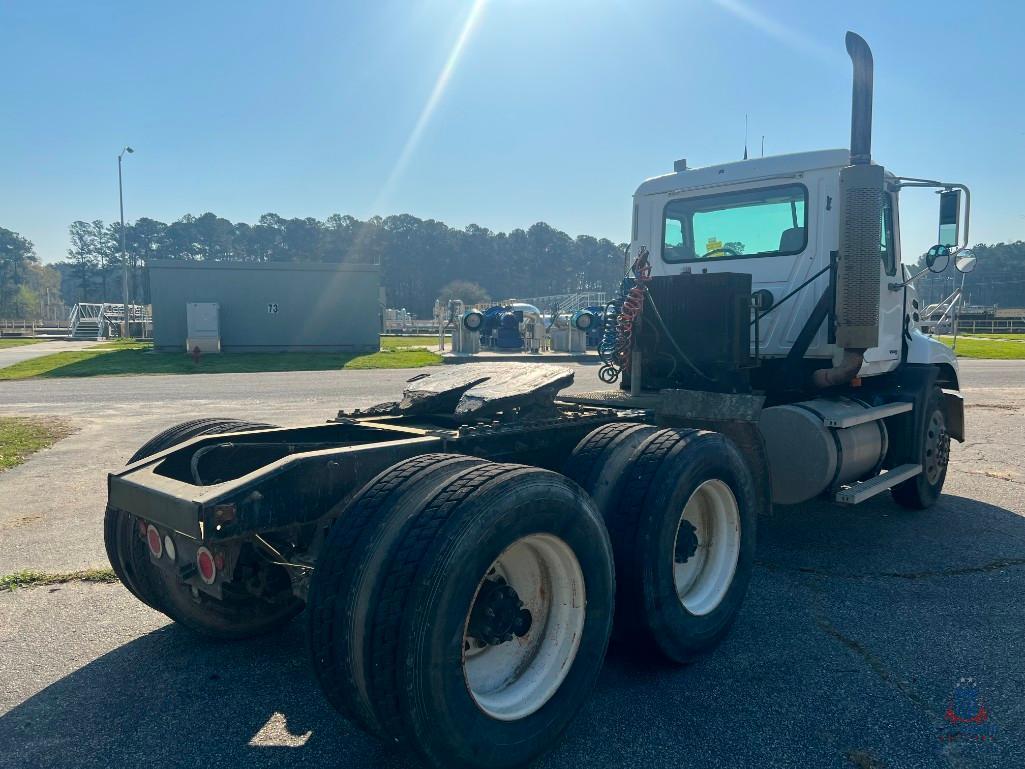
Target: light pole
[[124, 254]]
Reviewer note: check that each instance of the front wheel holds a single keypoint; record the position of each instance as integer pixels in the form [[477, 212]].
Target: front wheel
[[924, 489]]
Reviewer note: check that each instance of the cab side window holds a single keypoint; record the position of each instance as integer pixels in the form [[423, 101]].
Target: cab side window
[[887, 249]]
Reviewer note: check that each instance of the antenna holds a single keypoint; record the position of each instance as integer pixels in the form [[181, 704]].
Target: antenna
[[763, 145], [745, 136]]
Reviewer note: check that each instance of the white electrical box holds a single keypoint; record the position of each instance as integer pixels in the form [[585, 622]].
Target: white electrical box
[[204, 327]]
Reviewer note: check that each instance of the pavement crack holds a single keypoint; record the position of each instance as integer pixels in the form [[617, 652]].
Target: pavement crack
[[1000, 475], [875, 664], [996, 565]]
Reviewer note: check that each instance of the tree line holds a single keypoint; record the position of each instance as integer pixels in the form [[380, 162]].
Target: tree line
[[421, 260], [997, 280], [418, 257], [28, 289]]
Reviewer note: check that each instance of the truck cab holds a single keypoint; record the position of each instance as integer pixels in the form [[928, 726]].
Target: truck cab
[[778, 219]]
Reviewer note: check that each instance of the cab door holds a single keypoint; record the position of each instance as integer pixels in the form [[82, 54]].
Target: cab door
[[886, 356]]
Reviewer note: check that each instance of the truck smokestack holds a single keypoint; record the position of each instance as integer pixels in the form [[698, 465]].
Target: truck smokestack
[[861, 100], [856, 307]]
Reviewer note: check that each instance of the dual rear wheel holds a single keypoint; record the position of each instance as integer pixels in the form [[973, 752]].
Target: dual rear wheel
[[681, 509], [463, 608]]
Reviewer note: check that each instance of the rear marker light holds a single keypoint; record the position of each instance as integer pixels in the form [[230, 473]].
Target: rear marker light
[[156, 547], [206, 565]]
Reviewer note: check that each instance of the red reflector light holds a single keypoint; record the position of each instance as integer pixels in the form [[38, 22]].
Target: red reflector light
[[156, 545], [206, 565]]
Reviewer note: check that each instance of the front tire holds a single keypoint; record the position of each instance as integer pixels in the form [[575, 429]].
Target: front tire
[[924, 489]]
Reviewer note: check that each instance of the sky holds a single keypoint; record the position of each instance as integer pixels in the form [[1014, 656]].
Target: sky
[[500, 113]]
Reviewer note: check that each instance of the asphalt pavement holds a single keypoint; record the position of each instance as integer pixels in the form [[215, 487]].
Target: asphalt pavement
[[11, 355], [861, 628]]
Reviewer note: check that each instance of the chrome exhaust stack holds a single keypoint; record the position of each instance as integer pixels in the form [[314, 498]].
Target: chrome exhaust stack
[[856, 308], [861, 99]]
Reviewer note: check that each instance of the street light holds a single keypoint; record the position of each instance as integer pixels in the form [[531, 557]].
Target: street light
[[124, 255]]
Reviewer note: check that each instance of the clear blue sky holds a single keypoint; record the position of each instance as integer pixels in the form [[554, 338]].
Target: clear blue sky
[[553, 110]]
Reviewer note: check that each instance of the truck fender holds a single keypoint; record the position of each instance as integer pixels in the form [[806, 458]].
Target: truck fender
[[953, 413]]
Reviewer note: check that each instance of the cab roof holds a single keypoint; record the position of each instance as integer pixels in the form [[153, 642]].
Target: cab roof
[[746, 170]]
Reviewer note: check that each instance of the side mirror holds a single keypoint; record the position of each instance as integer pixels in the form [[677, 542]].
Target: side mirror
[[950, 218], [934, 254], [965, 261]]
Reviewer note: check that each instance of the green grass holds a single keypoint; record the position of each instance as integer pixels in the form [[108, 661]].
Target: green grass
[[34, 578], [129, 357], [19, 342], [984, 348], [394, 341], [123, 344], [995, 336], [21, 437]]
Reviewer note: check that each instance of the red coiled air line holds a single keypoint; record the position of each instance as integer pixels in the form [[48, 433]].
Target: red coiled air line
[[632, 308]]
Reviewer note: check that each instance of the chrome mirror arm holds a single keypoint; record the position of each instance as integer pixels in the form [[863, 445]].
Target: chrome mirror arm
[[910, 181]]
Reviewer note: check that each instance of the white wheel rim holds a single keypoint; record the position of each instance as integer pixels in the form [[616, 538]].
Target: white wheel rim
[[511, 680], [703, 570]]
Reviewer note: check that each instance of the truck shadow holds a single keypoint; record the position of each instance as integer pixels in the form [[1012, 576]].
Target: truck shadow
[[839, 599]]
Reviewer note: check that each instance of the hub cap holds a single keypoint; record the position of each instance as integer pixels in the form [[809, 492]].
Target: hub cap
[[707, 547], [523, 628]]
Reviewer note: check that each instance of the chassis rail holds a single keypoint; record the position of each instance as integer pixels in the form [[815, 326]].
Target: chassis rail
[[228, 486]]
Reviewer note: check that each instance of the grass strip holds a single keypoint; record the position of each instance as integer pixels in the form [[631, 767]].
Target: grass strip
[[126, 358], [983, 349], [21, 437], [19, 342], [35, 578]]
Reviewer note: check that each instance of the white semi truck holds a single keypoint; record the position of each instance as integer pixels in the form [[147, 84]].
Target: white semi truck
[[463, 554]]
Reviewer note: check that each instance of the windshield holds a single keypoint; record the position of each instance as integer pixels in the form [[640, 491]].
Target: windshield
[[771, 221]]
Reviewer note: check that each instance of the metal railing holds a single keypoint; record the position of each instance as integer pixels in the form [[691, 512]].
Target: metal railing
[[568, 303], [23, 327], [102, 320], [992, 326]]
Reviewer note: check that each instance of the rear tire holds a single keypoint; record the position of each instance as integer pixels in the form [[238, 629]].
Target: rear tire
[[233, 617], [924, 489], [351, 558], [185, 431], [462, 687], [129, 558], [681, 515], [599, 461]]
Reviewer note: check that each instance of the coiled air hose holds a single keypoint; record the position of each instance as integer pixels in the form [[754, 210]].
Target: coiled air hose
[[616, 348]]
